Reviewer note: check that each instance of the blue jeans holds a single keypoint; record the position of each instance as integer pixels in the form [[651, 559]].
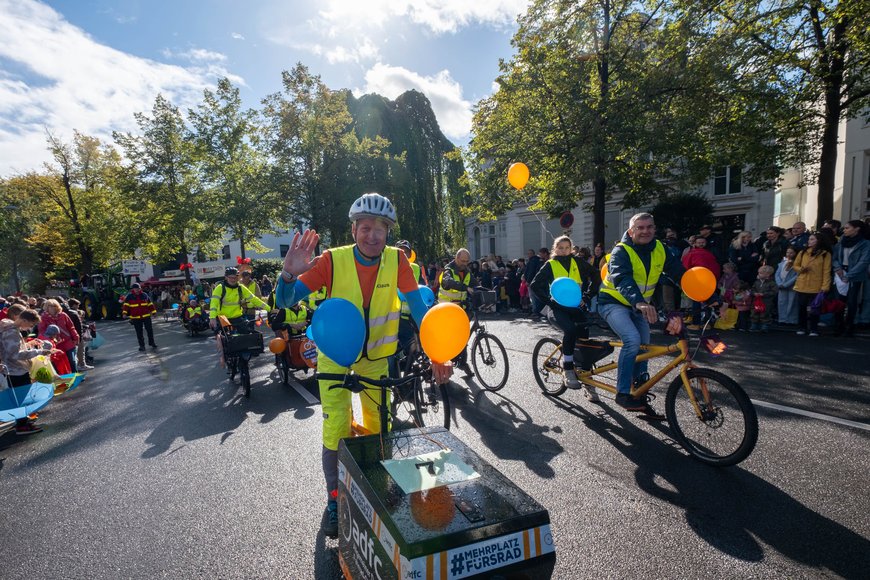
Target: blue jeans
[[633, 331]]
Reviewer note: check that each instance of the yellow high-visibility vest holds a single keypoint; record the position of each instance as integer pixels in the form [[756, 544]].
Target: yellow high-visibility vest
[[646, 281]]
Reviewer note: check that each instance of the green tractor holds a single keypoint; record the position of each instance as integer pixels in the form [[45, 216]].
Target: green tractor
[[105, 292]]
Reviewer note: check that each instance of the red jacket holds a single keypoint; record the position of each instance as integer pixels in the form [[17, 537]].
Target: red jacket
[[138, 306], [702, 257], [68, 337]]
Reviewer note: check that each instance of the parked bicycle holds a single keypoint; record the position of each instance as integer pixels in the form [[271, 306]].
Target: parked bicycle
[[711, 416], [240, 342]]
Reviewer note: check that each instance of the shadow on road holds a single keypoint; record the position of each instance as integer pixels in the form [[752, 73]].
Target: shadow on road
[[730, 508], [506, 428]]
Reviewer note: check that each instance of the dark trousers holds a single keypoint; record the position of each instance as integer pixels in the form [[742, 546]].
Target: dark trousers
[[20, 381], [71, 356], [804, 300], [139, 324], [569, 323], [856, 290]]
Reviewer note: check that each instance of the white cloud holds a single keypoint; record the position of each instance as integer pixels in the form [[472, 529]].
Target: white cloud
[[439, 16], [356, 30], [452, 111], [237, 36], [73, 82]]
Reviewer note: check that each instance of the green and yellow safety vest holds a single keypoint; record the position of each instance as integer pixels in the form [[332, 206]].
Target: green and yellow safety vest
[[646, 281]]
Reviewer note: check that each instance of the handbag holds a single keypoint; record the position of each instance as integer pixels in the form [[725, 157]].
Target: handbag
[[815, 307], [97, 341], [42, 362]]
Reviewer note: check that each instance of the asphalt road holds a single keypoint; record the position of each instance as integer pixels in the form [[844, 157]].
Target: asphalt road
[[156, 467]]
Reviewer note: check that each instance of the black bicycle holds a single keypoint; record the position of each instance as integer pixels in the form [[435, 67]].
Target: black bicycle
[[412, 404], [240, 343], [488, 355], [427, 402]]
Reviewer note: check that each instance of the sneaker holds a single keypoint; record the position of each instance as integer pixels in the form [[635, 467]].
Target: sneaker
[[28, 429], [801, 332], [141, 349], [569, 379], [590, 394], [330, 526], [153, 345], [814, 334], [88, 367], [651, 414], [630, 403]]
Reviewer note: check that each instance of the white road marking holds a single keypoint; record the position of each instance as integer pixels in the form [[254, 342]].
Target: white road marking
[[303, 392], [820, 416]]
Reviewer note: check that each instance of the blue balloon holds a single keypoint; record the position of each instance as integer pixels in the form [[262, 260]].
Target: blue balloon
[[309, 333], [427, 295], [566, 292], [402, 297], [339, 330], [175, 306]]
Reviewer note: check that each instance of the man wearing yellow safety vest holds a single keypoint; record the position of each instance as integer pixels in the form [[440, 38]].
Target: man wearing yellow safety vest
[[229, 297], [252, 286], [634, 268], [571, 320], [455, 283], [369, 274]]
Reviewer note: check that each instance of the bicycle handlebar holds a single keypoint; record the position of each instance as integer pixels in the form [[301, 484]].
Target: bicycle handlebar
[[353, 382]]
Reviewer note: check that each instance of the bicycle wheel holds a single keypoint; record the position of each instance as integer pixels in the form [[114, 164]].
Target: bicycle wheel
[[432, 404], [490, 361], [726, 431], [547, 366], [403, 408], [245, 376]]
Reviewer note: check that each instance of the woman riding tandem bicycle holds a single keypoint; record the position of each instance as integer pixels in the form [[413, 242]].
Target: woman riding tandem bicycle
[[369, 274]]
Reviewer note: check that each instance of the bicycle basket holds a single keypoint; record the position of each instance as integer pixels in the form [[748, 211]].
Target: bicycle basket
[[483, 298], [240, 343], [590, 352]]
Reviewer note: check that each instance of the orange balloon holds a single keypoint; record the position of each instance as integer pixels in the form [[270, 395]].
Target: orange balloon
[[518, 175], [698, 283], [277, 345], [413, 257], [444, 332], [433, 509], [604, 272]]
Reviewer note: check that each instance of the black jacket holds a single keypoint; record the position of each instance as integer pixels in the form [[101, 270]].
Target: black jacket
[[540, 285]]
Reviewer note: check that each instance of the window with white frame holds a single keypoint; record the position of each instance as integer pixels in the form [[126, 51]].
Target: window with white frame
[[727, 180]]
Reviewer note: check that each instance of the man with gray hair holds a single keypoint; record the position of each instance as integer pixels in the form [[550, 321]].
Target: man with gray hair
[[635, 265], [455, 283]]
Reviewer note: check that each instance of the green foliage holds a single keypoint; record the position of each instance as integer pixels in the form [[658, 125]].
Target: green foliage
[[172, 214], [603, 97], [684, 212], [270, 267], [231, 167]]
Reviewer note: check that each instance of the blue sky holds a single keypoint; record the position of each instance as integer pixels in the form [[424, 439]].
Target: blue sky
[[90, 64]]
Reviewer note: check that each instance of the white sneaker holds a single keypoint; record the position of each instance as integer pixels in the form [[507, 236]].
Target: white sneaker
[[88, 367], [569, 379], [801, 332], [814, 334], [590, 394]]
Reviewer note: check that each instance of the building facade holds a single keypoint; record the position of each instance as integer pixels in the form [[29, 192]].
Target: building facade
[[737, 207]]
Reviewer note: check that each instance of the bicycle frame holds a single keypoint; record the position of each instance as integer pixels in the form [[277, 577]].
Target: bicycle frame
[[648, 351]]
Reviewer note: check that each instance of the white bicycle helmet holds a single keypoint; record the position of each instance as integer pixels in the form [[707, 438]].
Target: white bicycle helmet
[[373, 205]]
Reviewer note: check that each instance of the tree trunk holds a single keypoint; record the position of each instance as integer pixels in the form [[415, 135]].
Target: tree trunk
[[599, 185], [242, 245]]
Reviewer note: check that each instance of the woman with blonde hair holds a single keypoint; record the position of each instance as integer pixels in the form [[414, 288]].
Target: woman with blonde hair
[[52, 313], [745, 255]]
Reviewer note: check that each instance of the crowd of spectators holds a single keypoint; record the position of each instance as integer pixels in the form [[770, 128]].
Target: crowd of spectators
[[785, 277], [31, 326]]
